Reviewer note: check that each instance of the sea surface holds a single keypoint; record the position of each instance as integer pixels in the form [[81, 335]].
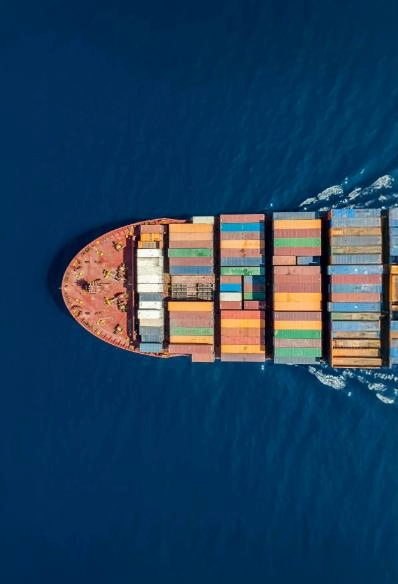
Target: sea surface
[[121, 469]]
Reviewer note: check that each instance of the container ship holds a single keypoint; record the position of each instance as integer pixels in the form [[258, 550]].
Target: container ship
[[294, 287]]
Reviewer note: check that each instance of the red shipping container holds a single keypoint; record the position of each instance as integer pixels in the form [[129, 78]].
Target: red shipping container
[[297, 270], [242, 218], [297, 315], [242, 358], [254, 305], [241, 340], [180, 244], [252, 314], [230, 279], [297, 251], [357, 279], [297, 233], [254, 288], [242, 253], [239, 235], [230, 333], [202, 261], [205, 321], [359, 297], [189, 349], [230, 305]]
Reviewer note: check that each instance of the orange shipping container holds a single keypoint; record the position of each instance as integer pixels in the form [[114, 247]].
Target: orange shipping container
[[190, 227], [195, 236], [194, 339], [256, 314], [241, 244], [298, 297], [284, 260], [358, 297], [312, 325], [297, 224], [242, 349], [230, 305], [349, 352], [241, 323], [190, 306]]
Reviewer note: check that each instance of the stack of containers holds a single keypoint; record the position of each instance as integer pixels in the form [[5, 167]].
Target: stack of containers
[[355, 287], [297, 288], [192, 329], [242, 287], [191, 248], [149, 275], [393, 300]]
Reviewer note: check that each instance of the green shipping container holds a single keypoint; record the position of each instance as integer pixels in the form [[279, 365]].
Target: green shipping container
[[254, 296], [297, 334], [191, 331], [297, 241], [195, 252], [242, 271], [297, 352]]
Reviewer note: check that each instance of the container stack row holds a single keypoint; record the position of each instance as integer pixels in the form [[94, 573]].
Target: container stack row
[[191, 329], [355, 287], [150, 288], [297, 288], [393, 284], [242, 287], [190, 249]]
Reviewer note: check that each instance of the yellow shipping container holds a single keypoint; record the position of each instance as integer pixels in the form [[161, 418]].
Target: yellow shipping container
[[298, 297], [257, 349], [242, 323], [190, 227], [297, 224], [241, 244], [297, 306], [311, 325], [192, 340], [190, 306]]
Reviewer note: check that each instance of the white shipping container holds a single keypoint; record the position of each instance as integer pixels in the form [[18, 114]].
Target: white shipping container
[[149, 253], [149, 287], [149, 262], [231, 296], [148, 305], [150, 314], [203, 219], [159, 323], [150, 270], [150, 278]]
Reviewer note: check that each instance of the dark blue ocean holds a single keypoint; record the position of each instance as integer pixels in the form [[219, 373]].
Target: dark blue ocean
[[120, 469]]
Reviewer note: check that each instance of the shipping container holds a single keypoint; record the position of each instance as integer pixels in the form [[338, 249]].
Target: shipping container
[[357, 297], [280, 325], [242, 218], [242, 271], [284, 260], [256, 314], [150, 278], [297, 333], [230, 296], [149, 253], [228, 305], [312, 316], [148, 305], [193, 270], [191, 331], [190, 228], [254, 305], [353, 213], [303, 306], [196, 261], [225, 287], [357, 343], [354, 231], [294, 224], [286, 242], [350, 352], [231, 280], [356, 259], [235, 227], [289, 233], [242, 244], [241, 323], [192, 340], [253, 349], [150, 314], [242, 358], [190, 243], [355, 325], [297, 271], [357, 241], [298, 251], [297, 352], [296, 343], [239, 235], [151, 347], [189, 348], [355, 315], [354, 306], [299, 215], [152, 322], [355, 270], [242, 261], [296, 298], [203, 219], [190, 306], [362, 279], [243, 253], [190, 252], [151, 228]]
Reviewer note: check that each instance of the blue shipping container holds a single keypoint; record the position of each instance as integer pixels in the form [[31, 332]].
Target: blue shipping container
[[357, 222], [295, 215], [353, 213], [251, 261], [356, 325], [368, 258], [230, 287], [354, 270], [394, 325], [356, 288], [151, 347], [354, 306], [191, 270], [242, 226]]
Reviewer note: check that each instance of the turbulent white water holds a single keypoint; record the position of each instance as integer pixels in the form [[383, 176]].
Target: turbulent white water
[[382, 193]]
